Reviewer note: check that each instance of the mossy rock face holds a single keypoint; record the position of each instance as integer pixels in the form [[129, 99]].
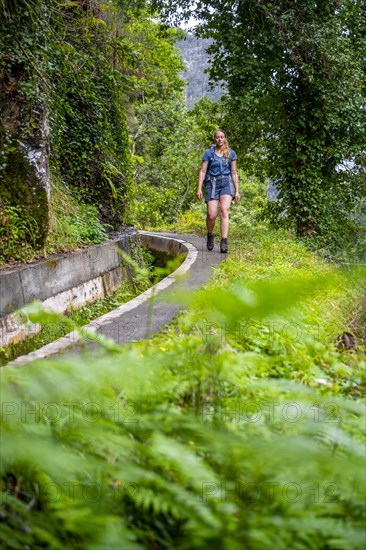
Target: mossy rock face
[[24, 151], [21, 186]]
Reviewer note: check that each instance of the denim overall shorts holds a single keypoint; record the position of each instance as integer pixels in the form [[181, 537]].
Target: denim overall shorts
[[216, 186]]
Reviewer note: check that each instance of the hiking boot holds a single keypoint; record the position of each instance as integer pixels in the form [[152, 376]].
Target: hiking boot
[[223, 246], [210, 241]]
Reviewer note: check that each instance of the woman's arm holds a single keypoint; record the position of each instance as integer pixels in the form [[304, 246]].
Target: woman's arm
[[201, 178], [234, 175]]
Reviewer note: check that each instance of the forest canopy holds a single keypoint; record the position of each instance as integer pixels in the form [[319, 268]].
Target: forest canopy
[[295, 74]]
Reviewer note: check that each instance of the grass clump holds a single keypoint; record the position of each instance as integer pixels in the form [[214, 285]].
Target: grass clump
[[72, 222]]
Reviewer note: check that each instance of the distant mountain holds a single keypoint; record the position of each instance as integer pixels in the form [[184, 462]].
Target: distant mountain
[[193, 51]]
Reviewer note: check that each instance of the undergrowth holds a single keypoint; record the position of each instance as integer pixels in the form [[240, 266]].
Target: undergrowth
[[241, 425], [72, 224]]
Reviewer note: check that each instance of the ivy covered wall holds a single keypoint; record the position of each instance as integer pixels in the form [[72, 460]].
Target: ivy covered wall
[[62, 109], [97, 96]]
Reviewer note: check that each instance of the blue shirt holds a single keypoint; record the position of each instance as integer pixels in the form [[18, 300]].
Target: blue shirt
[[219, 165]]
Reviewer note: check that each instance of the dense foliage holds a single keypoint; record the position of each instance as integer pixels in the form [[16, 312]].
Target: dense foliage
[[241, 427], [72, 224], [65, 58], [295, 74], [169, 149], [104, 76]]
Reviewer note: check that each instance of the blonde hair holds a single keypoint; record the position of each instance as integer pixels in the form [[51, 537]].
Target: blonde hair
[[225, 149]]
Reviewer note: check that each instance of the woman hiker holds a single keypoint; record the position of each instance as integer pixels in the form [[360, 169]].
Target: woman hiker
[[218, 173]]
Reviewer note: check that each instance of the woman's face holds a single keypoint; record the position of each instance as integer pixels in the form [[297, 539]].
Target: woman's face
[[220, 139]]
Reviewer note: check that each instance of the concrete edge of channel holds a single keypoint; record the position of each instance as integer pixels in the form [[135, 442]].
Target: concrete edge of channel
[[88, 331]]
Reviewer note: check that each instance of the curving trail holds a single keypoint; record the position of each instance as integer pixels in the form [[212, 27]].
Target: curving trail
[[141, 317], [140, 322]]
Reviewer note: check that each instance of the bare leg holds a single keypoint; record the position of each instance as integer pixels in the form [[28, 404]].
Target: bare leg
[[225, 203], [211, 215]]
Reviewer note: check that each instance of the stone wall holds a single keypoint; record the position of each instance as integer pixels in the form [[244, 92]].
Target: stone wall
[[64, 282]]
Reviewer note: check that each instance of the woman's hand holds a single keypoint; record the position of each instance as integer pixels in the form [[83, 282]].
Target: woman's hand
[[237, 197], [201, 178]]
